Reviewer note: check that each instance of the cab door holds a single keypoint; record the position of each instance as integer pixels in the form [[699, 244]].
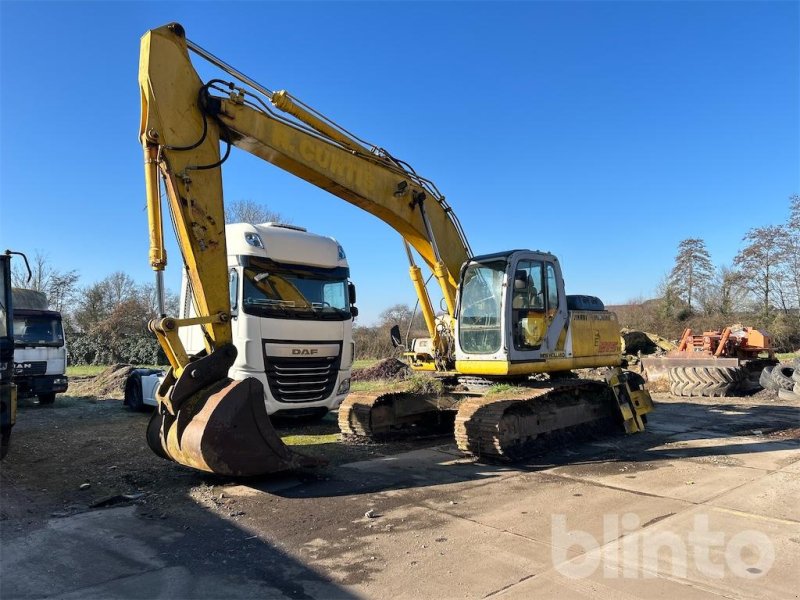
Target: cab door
[[537, 306]]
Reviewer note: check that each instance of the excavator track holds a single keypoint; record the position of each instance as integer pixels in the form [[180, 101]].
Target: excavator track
[[516, 428], [354, 415], [377, 416], [551, 413]]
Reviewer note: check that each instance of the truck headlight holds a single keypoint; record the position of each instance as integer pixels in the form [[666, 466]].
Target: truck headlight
[[344, 386], [60, 381]]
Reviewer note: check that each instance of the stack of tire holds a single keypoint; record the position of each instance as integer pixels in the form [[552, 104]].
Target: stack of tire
[[784, 379]]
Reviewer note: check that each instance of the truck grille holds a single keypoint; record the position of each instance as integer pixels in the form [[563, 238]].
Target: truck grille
[[301, 379], [33, 367]]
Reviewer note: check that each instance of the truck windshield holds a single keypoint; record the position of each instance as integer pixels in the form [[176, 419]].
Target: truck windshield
[[37, 330], [480, 308], [273, 289]]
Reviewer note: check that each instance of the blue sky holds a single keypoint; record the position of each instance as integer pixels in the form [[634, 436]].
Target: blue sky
[[603, 132]]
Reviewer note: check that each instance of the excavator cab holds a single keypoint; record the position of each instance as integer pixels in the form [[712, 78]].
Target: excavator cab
[[514, 318]]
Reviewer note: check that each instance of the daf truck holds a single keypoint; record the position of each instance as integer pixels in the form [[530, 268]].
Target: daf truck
[[292, 310]]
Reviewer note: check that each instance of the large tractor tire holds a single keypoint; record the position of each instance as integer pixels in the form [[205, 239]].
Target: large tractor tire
[[705, 381], [782, 377]]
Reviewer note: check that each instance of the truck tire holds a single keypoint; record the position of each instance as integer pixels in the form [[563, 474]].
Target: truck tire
[[45, 399], [782, 376], [765, 380], [705, 381], [134, 398]]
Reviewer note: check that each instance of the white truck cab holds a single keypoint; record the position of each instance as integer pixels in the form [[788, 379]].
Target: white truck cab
[[292, 310], [40, 349]]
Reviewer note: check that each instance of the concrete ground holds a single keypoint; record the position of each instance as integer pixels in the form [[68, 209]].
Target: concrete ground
[[705, 503]]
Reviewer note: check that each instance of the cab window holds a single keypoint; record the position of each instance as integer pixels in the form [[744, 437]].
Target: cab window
[[552, 289], [528, 305]]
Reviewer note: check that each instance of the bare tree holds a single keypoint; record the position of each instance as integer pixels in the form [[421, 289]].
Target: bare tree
[[248, 211], [759, 263], [790, 251], [60, 287], [692, 271], [725, 294]]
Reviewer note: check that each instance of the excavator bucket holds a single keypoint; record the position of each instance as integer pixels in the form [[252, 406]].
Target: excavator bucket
[[222, 428]]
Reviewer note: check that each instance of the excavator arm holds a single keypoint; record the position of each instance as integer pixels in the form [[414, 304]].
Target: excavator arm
[[183, 123]]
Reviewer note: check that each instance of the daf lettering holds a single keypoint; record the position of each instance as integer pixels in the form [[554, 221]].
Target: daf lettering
[[304, 351]]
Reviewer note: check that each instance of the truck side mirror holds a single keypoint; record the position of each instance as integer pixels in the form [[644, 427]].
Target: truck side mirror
[[351, 290], [397, 341], [354, 311]]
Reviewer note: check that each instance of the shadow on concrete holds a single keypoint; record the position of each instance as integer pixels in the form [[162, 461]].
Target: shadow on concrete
[[130, 552]]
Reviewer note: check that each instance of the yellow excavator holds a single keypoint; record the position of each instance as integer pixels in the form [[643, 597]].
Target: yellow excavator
[[507, 314]]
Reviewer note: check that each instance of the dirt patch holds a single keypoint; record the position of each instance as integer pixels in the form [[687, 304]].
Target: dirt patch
[[390, 368], [108, 384], [84, 453]]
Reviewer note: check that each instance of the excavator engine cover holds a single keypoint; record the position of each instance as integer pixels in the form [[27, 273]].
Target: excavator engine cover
[[221, 428]]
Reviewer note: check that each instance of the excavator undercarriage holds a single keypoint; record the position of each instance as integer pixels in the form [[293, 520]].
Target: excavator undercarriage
[[508, 427]]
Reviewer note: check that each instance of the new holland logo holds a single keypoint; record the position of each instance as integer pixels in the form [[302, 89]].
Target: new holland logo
[[304, 351]]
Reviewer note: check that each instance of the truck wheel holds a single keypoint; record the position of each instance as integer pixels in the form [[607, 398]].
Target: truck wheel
[[782, 377], [133, 393], [45, 399], [704, 381]]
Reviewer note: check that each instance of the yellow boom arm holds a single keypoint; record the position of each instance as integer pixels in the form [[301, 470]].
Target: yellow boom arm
[[182, 124]]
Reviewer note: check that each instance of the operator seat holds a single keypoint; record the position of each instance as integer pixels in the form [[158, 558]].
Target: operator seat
[[524, 292]]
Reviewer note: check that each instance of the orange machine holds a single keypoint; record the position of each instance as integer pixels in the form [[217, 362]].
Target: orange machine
[[712, 364], [745, 343]]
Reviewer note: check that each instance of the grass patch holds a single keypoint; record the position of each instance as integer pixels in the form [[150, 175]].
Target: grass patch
[[85, 370], [365, 363], [374, 386], [424, 384], [784, 356], [506, 389], [310, 440], [93, 370]]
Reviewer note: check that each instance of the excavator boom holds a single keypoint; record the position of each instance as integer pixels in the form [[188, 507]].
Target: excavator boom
[[183, 123]]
